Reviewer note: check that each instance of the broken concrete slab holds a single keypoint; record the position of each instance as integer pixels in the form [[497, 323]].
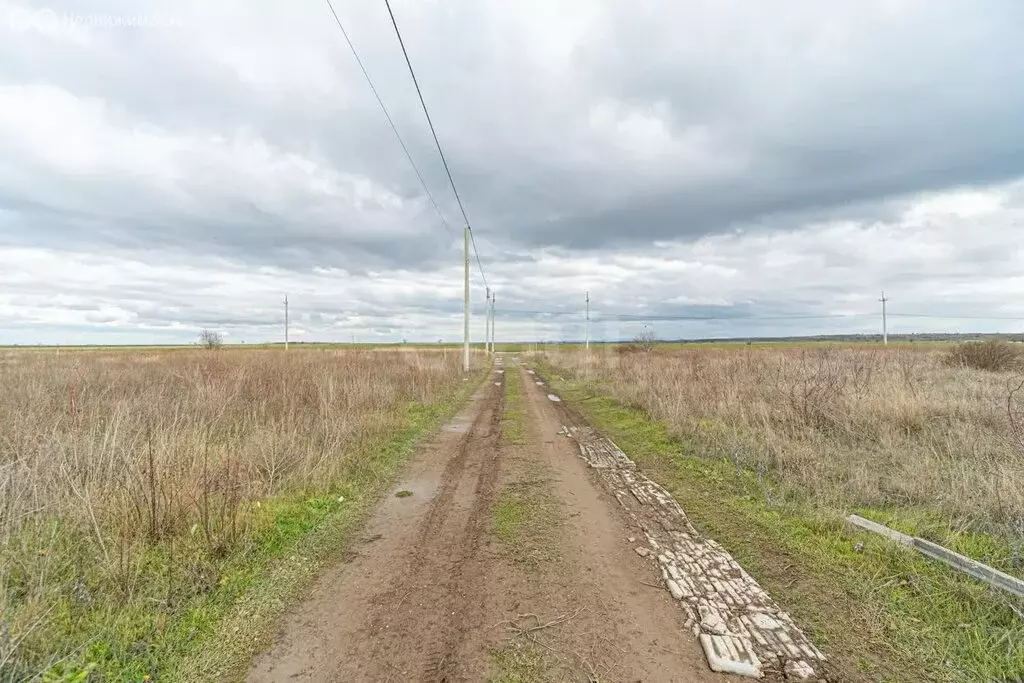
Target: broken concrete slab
[[731, 655]]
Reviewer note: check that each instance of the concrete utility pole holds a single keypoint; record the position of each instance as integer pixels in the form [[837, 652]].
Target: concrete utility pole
[[588, 321], [285, 322], [465, 299], [494, 296], [885, 321], [487, 323]]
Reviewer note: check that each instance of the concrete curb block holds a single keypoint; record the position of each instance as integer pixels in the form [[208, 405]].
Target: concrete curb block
[[982, 572], [880, 529]]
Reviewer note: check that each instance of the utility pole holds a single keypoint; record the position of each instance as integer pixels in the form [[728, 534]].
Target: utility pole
[[487, 323], [285, 322], [494, 296], [885, 321], [588, 321], [465, 298]]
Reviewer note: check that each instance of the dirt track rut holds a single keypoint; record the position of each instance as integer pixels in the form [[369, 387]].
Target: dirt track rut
[[425, 593]]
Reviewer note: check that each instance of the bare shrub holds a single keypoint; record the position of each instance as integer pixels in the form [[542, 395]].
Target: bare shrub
[[994, 356], [817, 391], [1015, 412], [211, 339], [644, 341]]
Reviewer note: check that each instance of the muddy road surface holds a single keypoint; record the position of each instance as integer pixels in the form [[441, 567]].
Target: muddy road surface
[[503, 559]]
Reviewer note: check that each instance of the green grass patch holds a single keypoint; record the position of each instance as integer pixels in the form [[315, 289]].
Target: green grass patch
[[204, 622], [513, 419], [524, 520], [403, 494], [881, 613], [519, 662]]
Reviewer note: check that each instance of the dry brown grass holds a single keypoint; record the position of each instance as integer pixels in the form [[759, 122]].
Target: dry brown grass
[[116, 468], [847, 427], [994, 355]]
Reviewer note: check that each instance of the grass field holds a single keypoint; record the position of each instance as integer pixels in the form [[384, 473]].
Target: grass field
[[143, 493], [768, 450]]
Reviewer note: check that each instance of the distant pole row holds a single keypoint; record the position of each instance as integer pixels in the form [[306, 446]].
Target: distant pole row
[[488, 334]]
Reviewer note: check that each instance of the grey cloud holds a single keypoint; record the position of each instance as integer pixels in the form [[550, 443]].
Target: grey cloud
[[888, 120], [580, 137]]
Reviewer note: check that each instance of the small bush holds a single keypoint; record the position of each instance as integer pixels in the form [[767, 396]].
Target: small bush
[[211, 339], [994, 356], [644, 341]]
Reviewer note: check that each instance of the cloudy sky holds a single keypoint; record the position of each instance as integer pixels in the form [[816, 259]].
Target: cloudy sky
[[772, 166]]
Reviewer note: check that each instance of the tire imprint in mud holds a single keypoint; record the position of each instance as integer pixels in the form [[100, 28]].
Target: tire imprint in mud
[[443, 569]]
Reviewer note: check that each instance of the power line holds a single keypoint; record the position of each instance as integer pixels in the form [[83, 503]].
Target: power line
[[955, 317], [655, 316], [472, 240], [437, 142], [391, 122], [633, 317]]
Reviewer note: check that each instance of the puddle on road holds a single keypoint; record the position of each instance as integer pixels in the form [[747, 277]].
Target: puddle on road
[[409, 496], [460, 425]]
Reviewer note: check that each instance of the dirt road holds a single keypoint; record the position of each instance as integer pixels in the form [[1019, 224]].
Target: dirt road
[[508, 561]]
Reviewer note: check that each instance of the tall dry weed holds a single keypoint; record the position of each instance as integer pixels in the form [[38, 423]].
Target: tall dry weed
[[119, 468], [848, 427]]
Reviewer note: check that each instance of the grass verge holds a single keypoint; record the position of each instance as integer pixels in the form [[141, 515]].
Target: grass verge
[[513, 420], [881, 613], [523, 519], [215, 637], [519, 662]]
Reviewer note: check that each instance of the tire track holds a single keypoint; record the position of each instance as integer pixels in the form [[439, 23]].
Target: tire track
[[405, 606], [421, 623]]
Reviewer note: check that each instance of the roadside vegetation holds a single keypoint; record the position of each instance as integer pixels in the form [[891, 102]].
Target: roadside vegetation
[[513, 419], [993, 355], [523, 518], [768, 451], [145, 495]]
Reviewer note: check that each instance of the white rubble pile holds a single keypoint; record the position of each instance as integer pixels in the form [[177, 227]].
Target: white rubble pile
[[742, 630]]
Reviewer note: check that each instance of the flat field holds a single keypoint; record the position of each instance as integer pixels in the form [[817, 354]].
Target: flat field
[[848, 427], [141, 492]]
